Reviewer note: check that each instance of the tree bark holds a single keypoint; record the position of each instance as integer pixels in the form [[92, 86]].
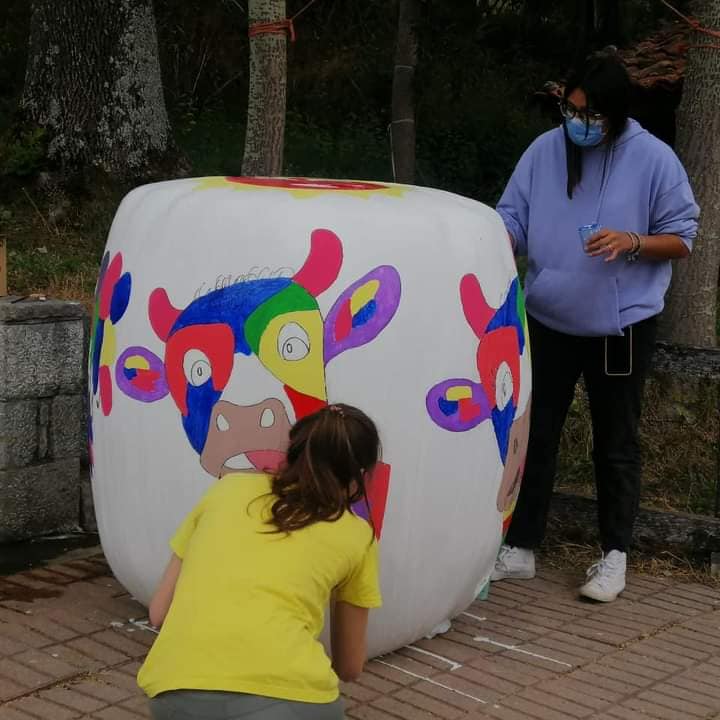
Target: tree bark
[[402, 130], [93, 83], [610, 23], [267, 95], [585, 23], [690, 316]]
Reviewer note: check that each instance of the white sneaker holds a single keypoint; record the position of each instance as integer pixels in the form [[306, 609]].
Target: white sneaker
[[606, 578], [514, 562]]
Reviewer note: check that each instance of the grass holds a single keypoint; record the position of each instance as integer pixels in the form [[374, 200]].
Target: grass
[[679, 437], [55, 245], [577, 558]]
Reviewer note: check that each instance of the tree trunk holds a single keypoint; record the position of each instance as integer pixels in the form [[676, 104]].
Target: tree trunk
[[93, 83], [265, 135], [690, 316], [610, 23], [403, 92], [585, 23]]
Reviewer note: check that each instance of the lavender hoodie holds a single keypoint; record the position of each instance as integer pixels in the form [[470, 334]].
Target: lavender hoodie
[[637, 184]]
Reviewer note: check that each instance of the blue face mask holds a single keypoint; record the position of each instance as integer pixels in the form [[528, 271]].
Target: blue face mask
[[585, 135]]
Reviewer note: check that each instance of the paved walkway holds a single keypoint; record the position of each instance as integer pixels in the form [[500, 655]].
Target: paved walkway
[[71, 643]]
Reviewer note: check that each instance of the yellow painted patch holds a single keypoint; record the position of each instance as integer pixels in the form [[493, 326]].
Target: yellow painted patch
[[137, 362], [209, 183], [107, 354], [363, 295], [307, 375], [459, 392], [509, 511]]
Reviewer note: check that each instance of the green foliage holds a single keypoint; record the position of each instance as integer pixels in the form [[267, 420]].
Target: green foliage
[[22, 153]]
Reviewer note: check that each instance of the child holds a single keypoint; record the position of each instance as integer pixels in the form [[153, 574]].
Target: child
[[242, 600]]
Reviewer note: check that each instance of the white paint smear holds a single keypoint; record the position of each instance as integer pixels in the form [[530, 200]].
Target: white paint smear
[[431, 681], [144, 625], [453, 665], [474, 617], [515, 648]]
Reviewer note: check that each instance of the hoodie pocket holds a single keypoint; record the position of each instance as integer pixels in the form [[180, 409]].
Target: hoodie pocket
[[575, 303]]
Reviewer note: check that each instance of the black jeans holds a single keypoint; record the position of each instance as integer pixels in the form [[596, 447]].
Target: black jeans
[[558, 360]]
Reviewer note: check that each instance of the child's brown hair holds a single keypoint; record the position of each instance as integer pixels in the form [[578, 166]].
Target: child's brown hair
[[328, 458]]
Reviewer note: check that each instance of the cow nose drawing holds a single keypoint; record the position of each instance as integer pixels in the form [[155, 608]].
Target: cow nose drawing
[[246, 437]]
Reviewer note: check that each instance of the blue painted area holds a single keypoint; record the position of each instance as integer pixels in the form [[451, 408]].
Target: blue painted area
[[121, 298], [97, 348], [365, 314], [200, 401], [507, 315], [448, 407], [502, 422], [130, 373], [232, 306]]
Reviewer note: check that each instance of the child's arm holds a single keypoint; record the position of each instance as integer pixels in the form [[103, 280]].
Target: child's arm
[[348, 628], [160, 603]]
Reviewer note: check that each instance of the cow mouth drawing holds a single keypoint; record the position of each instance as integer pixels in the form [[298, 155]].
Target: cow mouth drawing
[[260, 460], [514, 463], [246, 438]]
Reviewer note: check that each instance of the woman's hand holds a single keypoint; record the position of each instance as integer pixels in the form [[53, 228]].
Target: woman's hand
[[610, 242]]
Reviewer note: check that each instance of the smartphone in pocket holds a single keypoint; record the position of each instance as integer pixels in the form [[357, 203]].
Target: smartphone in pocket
[[619, 354]]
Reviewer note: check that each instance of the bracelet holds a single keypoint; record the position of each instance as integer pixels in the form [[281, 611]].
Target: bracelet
[[634, 254]]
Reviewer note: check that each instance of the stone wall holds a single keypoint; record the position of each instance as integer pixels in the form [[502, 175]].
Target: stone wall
[[42, 416]]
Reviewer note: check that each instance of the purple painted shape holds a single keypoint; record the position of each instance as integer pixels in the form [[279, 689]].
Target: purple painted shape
[[453, 422], [149, 389], [362, 509], [387, 300]]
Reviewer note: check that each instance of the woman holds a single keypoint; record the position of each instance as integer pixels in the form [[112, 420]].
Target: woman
[[253, 568], [599, 207]]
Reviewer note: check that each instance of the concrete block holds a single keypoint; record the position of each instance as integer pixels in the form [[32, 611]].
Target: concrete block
[[41, 359], [14, 311], [18, 433], [67, 426], [39, 500]]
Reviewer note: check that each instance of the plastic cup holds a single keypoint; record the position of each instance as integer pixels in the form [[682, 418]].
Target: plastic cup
[[586, 232]]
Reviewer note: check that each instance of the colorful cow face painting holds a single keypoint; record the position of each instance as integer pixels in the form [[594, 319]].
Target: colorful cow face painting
[[243, 363], [460, 405], [111, 301]]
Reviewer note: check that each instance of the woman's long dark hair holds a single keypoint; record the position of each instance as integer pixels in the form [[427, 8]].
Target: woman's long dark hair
[[606, 84], [329, 456]]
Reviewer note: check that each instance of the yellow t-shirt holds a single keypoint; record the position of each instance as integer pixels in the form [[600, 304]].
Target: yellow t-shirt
[[249, 606]]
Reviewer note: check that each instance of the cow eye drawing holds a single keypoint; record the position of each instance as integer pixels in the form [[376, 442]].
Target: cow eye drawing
[[504, 386], [197, 367], [293, 343]]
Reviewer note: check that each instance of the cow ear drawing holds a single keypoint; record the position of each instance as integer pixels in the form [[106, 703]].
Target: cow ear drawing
[[140, 374], [458, 404], [362, 311], [323, 263], [162, 313], [477, 311]]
